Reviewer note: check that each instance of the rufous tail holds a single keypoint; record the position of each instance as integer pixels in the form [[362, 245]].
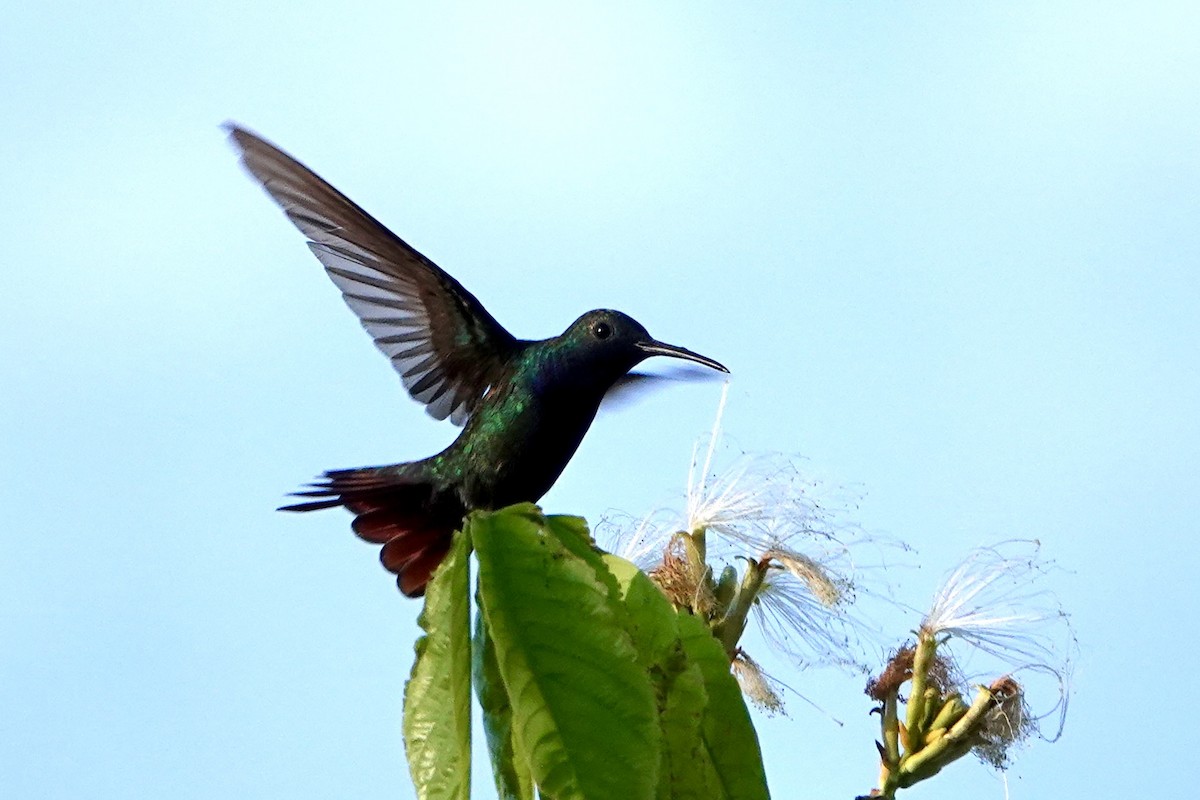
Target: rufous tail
[[412, 520]]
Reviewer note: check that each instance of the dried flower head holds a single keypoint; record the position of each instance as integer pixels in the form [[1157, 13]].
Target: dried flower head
[[760, 688], [826, 589], [941, 674], [1007, 723], [680, 578]]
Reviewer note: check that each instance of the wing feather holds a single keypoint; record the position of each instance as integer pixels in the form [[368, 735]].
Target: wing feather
[[443, 343]]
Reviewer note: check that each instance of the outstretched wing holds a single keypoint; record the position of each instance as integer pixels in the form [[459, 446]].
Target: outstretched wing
[[447, 348]]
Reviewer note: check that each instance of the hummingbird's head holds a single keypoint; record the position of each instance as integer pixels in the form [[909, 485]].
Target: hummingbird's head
[[609, 344]]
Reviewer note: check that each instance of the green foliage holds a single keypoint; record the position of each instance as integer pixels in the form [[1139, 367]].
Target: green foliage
[[592, 685], [437, 697], [685, 768], [513, 780], [581, 704], [726, 730]]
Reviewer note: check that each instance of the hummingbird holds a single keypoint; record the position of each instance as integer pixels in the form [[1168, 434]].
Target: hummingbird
[[525, 405]]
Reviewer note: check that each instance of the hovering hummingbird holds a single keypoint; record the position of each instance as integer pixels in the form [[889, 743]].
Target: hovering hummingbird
[[526, 404]]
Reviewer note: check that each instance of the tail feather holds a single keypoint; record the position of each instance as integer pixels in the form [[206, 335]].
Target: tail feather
[[315, 505], [379, 524], [405, 547], [416, 573], [413, 521]]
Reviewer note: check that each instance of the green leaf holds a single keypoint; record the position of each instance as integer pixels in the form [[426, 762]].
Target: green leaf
[[691, 774], [728, 734], [686, 772], [573, 533], [513, 781], [437, 697], [651, 619], [584, 713]]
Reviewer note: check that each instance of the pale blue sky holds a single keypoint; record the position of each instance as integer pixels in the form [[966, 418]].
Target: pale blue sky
[[950, 256]]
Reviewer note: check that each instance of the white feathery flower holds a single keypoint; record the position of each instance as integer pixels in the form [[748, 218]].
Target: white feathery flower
[[993, 602], [764, 502], [641, 541], [792, 527], [808, 616]]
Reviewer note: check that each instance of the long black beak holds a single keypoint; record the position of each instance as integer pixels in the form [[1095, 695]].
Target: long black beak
[[656, 348]]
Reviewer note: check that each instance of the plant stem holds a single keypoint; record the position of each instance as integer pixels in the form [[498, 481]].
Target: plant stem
[[729, 629], [922, 659], [889, 772], [952, 746]]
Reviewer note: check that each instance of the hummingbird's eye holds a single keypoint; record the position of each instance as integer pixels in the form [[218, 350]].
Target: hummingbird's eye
[[602, 330]]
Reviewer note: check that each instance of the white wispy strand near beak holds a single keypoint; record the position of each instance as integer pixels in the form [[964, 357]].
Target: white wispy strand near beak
[[730, 501], [993, 601], [764, 501], [758, 503], [693, 491]]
